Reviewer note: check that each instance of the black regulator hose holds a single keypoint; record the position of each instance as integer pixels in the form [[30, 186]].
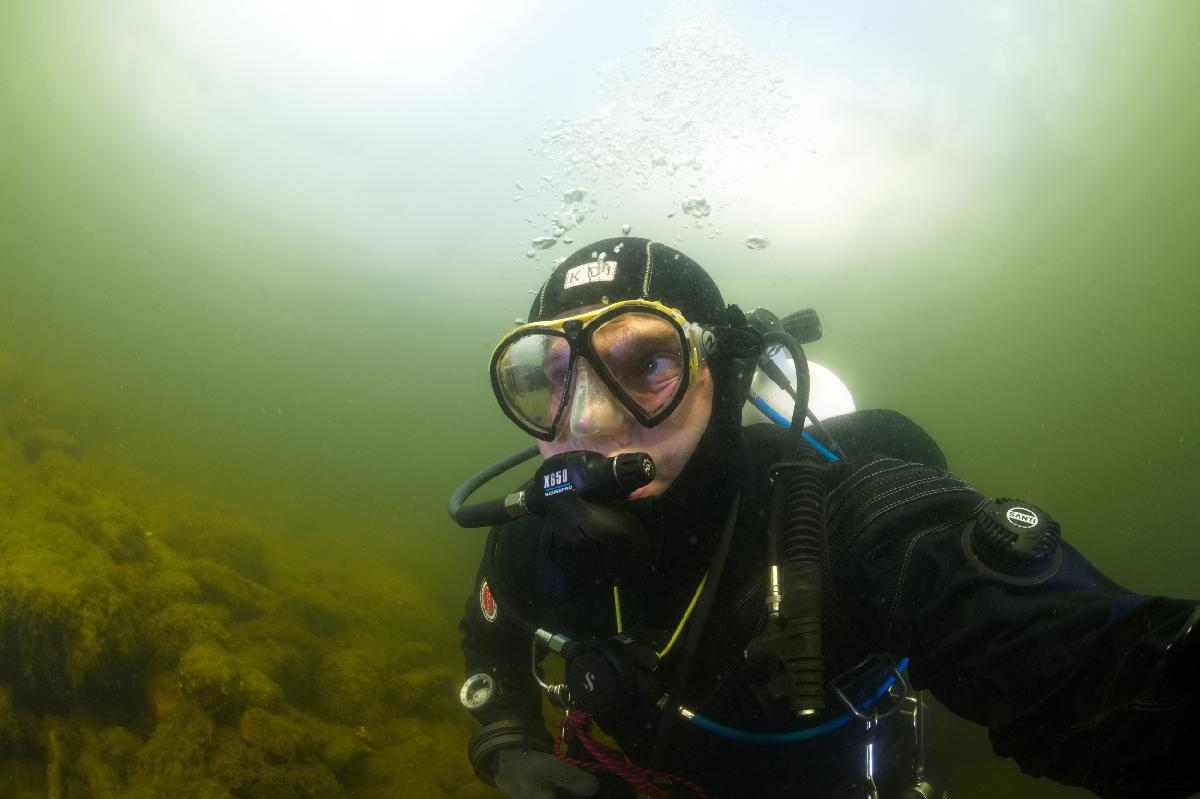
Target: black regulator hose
[[489, 512], [797, 545]]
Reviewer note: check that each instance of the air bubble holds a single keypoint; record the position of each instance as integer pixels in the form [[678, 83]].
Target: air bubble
[[697, 207], [756, 241]]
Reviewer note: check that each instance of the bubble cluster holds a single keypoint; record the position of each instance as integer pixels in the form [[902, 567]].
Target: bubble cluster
[[697, 207], [695, 102]]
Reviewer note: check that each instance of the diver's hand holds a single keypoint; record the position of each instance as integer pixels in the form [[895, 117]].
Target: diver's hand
[[524, 774]]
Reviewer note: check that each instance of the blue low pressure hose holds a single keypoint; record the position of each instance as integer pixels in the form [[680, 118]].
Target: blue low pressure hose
[[783, 421], [795, 736]]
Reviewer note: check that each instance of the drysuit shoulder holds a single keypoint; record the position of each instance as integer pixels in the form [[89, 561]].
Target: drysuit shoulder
[[886, 432], [879, 431]]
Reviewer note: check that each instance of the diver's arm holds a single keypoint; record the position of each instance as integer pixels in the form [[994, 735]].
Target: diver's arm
[[496, 644], [885, 431], [1077, 679]]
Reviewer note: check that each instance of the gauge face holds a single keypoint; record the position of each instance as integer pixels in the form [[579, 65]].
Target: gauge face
[[477, 691]]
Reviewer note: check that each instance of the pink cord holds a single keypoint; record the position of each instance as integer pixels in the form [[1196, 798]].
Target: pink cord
[[579, 725]]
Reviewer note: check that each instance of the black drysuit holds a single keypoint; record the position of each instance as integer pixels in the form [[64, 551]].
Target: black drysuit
[[1071, 673]]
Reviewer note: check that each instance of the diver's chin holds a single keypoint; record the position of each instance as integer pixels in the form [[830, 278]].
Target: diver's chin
[[651, 489]]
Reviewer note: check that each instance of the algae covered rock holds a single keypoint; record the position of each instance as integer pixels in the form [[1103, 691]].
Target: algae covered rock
[[221, 538], [219, 680], [41, 438], [166, 587], [424, 757], [152, 647], [177, 759], [106, 759], [285, 738], [66, 625], [173, 630], [107, 521], [244, 597], [10, 728], [352, 686]]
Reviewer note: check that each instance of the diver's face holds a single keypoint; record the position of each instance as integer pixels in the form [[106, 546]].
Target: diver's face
[[597, 421]]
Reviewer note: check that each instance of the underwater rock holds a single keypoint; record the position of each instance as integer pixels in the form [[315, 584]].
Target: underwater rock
[[41, 439], [106, 759], [209, 675], [220, 681], [423, 758], [244, 597], [278, 735], [341, 746], [108, 522], [252, 773], [320, 610], [166, 587], [358, 686], [352, 686], [66, 625], [285, 663], [172, 631], [228, 540], [163, 694], [176, 760], [10, 728], [431, 689], [128, 606]]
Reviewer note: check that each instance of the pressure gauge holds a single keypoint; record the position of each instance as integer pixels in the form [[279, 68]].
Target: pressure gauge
[[477, 691]]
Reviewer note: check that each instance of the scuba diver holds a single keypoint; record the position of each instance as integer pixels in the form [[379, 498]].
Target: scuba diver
[[756, 610]]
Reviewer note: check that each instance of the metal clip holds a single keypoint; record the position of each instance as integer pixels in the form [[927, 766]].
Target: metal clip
[[869, 776], [871, 711]]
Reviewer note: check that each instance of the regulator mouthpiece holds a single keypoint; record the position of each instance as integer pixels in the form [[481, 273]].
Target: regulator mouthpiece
[[588, 475]]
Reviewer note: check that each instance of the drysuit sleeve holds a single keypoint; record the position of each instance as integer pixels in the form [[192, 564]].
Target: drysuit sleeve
[[496, 638], [1076, 678]]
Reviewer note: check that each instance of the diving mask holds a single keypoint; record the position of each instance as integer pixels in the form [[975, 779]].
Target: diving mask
[[645, 354]]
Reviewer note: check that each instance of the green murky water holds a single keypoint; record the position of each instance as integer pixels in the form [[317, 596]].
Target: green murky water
[[253, 259]]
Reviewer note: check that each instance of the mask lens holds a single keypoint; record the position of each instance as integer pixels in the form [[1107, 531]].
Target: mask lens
[[530, 373], [645, 356]]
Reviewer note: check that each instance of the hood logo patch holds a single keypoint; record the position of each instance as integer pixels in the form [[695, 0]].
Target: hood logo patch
[[487, 602], [593, 272]]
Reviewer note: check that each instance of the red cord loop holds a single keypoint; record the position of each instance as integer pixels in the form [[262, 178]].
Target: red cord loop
[[578, 725]]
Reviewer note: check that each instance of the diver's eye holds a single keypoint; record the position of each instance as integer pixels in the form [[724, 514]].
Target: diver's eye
[[659, 366]]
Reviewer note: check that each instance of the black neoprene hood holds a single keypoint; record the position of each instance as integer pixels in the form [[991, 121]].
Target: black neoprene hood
[[628, 268]]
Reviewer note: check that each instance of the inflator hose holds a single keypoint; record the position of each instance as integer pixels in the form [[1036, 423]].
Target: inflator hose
[[797, 544], [797, 502]]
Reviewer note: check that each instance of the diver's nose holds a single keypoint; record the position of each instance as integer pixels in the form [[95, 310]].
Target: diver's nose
[[594, 410]]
